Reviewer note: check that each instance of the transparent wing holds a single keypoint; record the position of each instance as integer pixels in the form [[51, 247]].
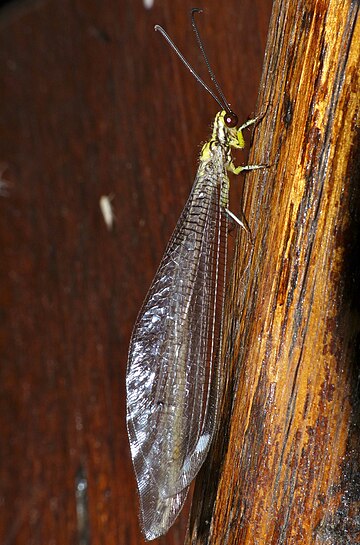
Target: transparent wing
[[157, 513], [173, 376]]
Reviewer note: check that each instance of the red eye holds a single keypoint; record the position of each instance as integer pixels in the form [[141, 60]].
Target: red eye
[[231, 119]]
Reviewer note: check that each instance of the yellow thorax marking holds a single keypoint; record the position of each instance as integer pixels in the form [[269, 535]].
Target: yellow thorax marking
[[230, 137]]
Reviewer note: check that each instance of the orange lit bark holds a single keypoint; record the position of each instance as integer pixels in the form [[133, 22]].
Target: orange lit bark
[[285, 466]]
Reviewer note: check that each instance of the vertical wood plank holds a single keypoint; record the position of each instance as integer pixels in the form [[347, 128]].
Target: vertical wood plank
[[93, 104], [285, 467]]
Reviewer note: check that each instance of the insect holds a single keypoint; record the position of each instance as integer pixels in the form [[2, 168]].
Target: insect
[[174, 375]]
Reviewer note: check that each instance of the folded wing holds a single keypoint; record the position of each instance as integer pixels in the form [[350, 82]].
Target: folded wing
[[173, 375]]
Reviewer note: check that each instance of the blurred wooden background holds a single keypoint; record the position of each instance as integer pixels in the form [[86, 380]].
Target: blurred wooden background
[[93, 103]]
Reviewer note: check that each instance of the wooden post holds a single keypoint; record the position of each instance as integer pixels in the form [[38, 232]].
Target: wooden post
[[285, 466]]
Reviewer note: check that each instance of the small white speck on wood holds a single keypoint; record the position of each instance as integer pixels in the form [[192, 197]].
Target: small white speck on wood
[[107, 210], [148, 4]]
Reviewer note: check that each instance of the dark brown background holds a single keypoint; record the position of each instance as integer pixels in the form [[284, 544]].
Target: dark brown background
[[93, 103]]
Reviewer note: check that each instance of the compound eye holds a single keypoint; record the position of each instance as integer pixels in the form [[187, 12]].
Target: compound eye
[[231, 119]]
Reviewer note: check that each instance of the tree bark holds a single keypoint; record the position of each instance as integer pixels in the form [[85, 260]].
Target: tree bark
[[285, 466]]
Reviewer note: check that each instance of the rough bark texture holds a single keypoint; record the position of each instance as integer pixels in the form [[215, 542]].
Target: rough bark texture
[[93, 103], [287, 454]]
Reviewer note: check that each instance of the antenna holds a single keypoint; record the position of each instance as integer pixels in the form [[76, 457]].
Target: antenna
[[231, 118]]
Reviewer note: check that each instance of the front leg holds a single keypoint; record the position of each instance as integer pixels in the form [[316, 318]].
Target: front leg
[[252, 121]]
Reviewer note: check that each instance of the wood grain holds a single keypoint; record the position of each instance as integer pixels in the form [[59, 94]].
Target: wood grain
[[93, 103], [285, 468]]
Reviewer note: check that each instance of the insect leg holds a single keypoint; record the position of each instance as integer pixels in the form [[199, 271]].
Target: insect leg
[[251, 122], [236, 170], [242, 223]]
